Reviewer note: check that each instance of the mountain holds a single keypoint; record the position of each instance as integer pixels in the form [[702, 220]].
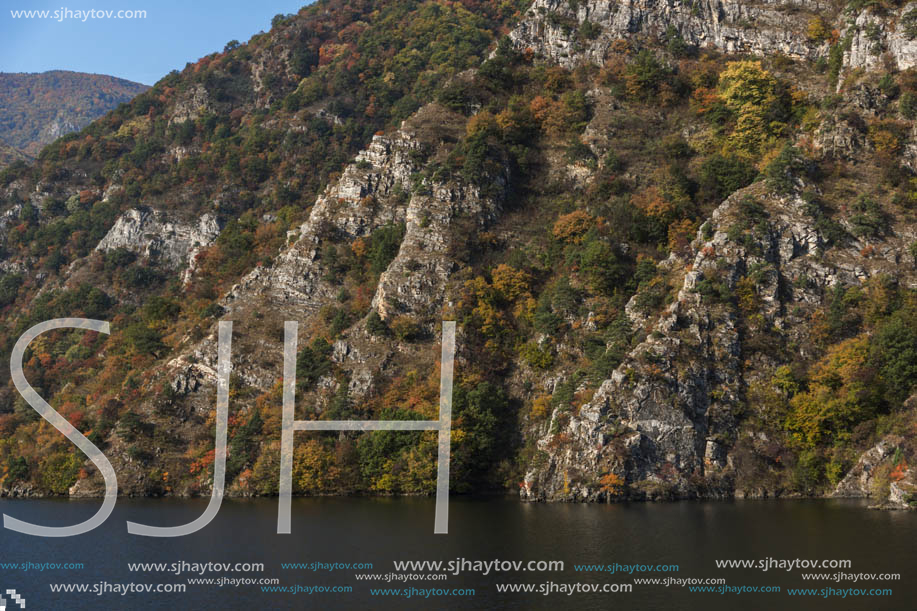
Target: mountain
[[8, 155], [679, 243], [36, 109]]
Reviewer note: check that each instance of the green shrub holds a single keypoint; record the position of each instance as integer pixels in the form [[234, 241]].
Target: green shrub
[[17, 469], [375, 325], [384, 244], [907, 105], [720, 176], [313, 362], [536, 356], [893, 351], [9, 288], [808, 472], [868, 220], [144, 339], [58, 472], [781, 172]]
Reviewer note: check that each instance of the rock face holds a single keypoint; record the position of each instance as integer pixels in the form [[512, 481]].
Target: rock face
[[856, 483], [869, 37], [663, 424], [377, 189], [571, 34], [191, 105], [58, 127], [153, 235], [555, 30], [873, 471]]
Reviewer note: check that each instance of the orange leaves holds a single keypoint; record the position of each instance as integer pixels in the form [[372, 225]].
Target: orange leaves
[[540, 107], [203, 464], [481, 123], [358, 247], [899, 472], [330, 51], [653, 204], [571, 227], [612, 484], [704, 99]]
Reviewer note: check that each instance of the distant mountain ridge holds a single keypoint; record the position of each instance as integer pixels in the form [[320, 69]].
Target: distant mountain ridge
[[36, 109]]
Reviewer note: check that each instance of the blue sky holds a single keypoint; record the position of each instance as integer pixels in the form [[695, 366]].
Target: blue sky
[[144, 50]]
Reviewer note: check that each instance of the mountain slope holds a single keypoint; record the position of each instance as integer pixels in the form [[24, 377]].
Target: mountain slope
[[8, 155], [678, 271], [39, 108]]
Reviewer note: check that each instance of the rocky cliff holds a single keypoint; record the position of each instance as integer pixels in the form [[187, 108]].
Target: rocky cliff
[[678, 240]]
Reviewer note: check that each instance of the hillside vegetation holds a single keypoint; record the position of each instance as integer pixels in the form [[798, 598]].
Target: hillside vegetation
[[679, 269], [37, 109]]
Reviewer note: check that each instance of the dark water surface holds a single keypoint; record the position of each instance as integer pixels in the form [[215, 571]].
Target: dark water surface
[[379, 531]]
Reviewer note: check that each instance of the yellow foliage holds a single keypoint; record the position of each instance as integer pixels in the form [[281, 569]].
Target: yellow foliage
[[612, 484], [747, 295], [512, 283], [313, 467], [541, 407], [680, 234], [817, 30], [841, 393], [885, 142], [749, 91]]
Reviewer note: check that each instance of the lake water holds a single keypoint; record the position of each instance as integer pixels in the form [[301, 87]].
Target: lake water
[[380, 531]]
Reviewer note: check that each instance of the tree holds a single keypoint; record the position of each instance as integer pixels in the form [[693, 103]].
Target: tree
[[313, 362], [843, 391], [59, 471], [893, 352], [571, 227], [750, 93]]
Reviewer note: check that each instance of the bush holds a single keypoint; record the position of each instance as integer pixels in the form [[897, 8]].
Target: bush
[[720, 176], [375, 325], [602, 266], [571, 227], [589, 30], [58, 472], [893, 352], [907, 105], [780, 172], [483, 415], [808, 472], [9, 288], [868, 220], [384, 245], [842, 392], [405, 328], [676, 45], [313, 362], [17, 469], [817, 30], [644, 75], [144, 339], [909, 24], [536, 356]]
